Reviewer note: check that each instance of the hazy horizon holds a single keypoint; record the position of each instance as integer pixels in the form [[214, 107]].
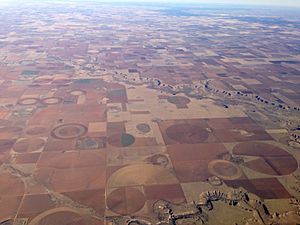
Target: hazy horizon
[[287, 3]]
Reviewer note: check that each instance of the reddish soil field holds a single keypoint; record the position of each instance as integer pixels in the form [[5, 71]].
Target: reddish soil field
[[64, 160], [220, 123], [266, 188], [187, 133], [8, 181], [237, 129], [74, 179], [69, 113], [169, 192], [6, 145], [27, 158], [9, 207], [60, 145], [273, 160], [91, 198], [32, 205], [203, 151], [192, 171], [238, 134], [10, 132], [36, 131]]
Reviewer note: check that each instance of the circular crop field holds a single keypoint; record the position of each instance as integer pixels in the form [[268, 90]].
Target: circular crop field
[[224, 169], [29, 145], [59, 216], [125, 200], [143, 127], [179, 100], [77, 92], [28, 101], [69, 131], [51, 101], [121, 140]]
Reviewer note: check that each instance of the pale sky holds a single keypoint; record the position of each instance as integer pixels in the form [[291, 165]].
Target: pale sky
[[260, 2], [240, 2]]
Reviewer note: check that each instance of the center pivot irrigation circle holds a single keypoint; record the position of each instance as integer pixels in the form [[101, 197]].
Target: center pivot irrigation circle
[[77, 92], [125, 200], [60, 216], [121, 140], [28, 101], [143, 127], [69, 131], [51, 101], [179, 100], [224, 169], [29, 145]]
